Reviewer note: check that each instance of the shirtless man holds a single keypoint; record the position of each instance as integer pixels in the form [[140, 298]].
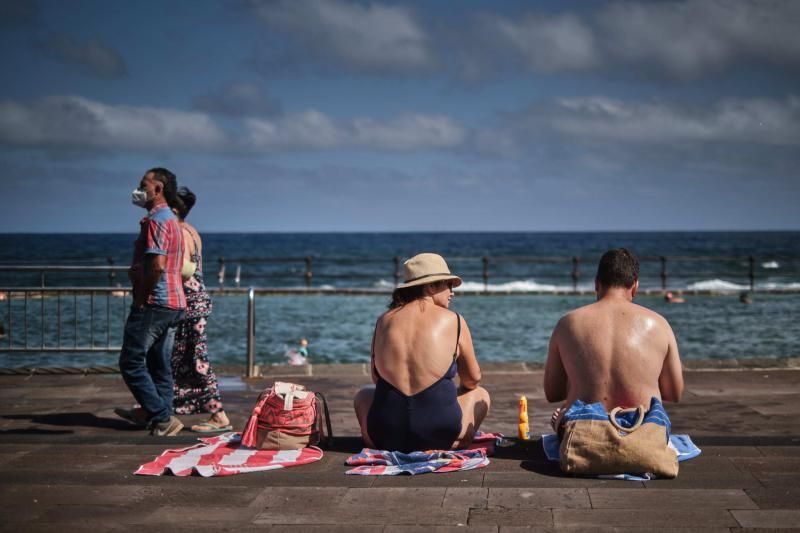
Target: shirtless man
[[612, 351]]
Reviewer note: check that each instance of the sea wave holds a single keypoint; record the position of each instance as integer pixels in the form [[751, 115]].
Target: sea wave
[[771, 264], [716, 285], [722, 285], [530, 285], [527, 285]]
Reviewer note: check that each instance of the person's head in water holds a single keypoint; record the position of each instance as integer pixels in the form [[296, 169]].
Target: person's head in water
[[745, 298], [672, 299], [618, 269], [184, 201]]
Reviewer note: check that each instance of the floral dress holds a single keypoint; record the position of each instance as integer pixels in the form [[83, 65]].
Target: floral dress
[[195, 383]]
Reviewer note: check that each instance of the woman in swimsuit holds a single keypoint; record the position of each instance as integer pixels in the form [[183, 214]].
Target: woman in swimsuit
[[418, 347]]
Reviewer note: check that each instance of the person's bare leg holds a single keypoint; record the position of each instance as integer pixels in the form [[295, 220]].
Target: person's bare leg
[[475, 406], [361, 403]]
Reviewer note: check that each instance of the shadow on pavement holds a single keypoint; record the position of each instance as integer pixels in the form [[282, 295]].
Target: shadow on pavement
[[71, 419]]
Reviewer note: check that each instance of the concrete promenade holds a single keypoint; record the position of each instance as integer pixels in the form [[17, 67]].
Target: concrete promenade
[[66, 464]]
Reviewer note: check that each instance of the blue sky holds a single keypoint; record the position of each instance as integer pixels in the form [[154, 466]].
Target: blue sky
[[346, 115]]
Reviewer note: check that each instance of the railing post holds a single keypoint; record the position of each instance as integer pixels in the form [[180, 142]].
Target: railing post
[[41, 278], [221, 274], [111, 274], [663, 273], [238, 278], [485, 272], [396, 271], [309, 274], [752, 261], [575, 273], [252, 371]]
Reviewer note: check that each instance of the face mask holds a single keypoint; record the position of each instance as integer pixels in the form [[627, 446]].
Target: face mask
[[139, 197]]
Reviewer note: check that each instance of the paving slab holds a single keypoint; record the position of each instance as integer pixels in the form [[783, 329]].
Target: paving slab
[[787, 497], [511, 517], [616, 529], [538, 498], [659, 517], [677, 499], [783, 518]]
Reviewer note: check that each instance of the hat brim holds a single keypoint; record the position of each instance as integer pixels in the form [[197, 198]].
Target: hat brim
[[431, 279]]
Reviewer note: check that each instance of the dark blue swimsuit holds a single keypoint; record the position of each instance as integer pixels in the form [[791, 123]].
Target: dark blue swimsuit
[[427, 420]]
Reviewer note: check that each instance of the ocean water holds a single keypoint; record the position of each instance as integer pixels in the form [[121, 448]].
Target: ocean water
[[508, 323]]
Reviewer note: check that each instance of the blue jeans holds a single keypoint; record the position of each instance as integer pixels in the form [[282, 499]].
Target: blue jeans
[[145, 358]]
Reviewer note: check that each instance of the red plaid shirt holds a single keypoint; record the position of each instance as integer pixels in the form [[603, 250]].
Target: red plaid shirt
[[161, 234]]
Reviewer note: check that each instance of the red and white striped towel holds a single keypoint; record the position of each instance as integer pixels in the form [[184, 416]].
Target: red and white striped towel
[[223, 455]]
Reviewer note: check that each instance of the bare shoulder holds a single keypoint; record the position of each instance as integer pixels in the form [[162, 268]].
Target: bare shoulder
[[649, 313], [576, 316], [568, 322], [659, 321]]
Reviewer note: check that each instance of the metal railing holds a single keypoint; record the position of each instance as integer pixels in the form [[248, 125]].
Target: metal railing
[[20, 300]]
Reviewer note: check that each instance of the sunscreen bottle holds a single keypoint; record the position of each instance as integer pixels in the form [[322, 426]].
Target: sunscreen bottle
[[523, 430]]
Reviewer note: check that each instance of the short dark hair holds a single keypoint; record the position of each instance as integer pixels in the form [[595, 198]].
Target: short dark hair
[[618, 268], [170, 183], [401, 297], [185, 201]]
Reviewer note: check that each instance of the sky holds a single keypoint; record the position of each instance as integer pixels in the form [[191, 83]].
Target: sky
[[343, 115]]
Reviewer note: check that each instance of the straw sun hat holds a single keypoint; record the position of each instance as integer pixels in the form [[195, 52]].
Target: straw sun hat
[[426, 268]]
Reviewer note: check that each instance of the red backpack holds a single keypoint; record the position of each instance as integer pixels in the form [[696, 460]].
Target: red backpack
[[287, 417]]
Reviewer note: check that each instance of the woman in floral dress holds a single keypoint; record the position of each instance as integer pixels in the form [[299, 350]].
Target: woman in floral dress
[[196, 389]]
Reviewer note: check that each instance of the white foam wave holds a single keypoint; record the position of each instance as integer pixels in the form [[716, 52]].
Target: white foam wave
[[722, 285], [771, 264], [779, 286], [518, 286], [716, 285], [529, 285]]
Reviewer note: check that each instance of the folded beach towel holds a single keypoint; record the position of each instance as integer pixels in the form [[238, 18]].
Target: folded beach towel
[[682, 444], [224, 455], [386, 463]]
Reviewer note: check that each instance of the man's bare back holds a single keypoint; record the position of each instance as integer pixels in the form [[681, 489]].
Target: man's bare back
[[613, 351]]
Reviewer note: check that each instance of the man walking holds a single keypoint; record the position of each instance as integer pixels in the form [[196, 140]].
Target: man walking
[[158, 305], [613, 351]]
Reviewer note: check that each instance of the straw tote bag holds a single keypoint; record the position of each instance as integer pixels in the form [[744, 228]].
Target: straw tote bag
[[629, 441]]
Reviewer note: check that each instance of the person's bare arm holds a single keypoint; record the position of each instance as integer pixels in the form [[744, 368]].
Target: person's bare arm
[[670, 382], [556, 383], [373, 372], [154, 265], [469, 372]]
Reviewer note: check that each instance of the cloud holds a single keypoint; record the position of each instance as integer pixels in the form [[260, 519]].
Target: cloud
[[689, 38], [92, 57], [607, 120], [312, 129], [337, 34], [541, 43], [674, 39], [237, 100], [75, 123]]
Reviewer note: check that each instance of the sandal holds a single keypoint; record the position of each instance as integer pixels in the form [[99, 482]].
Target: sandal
[[211, 427]]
